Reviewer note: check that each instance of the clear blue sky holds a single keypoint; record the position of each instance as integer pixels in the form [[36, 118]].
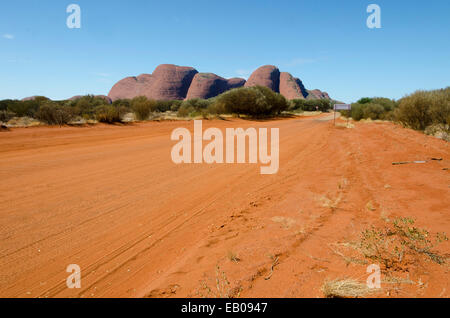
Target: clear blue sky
[[325, 43]]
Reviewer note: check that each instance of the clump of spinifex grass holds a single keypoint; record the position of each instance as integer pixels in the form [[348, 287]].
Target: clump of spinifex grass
[[346, 288]]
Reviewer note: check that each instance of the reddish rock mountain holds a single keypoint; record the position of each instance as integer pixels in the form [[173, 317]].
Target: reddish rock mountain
[[268, 76], [317, 94], [236, 82], [177, 82], [292, 87], [171, 82], [166, 82], [207, 85], [131, 87]]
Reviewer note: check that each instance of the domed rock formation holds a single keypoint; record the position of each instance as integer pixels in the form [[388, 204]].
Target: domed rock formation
[[236, 82], [317, 94], [206, 85], [292, 87], [268, 76], [179, 82], [130, 87], [167, 82], [171, 82]]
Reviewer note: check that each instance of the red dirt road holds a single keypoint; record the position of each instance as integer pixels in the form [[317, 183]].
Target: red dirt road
[[110, 200]]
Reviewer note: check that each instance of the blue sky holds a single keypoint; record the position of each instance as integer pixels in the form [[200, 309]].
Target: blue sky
[[325, 43]]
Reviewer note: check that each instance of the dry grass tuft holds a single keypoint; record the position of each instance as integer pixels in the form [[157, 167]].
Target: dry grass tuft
[[284, 221], [330, 203], [233, 257], [346, 288], [370, 206]]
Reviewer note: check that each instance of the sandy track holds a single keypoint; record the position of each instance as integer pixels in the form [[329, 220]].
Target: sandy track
[[110, 200]]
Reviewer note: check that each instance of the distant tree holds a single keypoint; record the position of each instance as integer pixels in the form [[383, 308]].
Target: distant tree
[[364, 100]]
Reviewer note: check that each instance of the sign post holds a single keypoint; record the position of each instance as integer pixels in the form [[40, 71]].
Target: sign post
[[341, 107]]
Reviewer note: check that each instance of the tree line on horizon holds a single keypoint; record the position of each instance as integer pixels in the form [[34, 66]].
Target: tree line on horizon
[[255, 102], [419, 110]]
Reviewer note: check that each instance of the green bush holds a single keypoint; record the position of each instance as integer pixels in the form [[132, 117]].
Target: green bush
[[388, 104], [414, 110], [253, 101], [143, 107], [364, 100], [167, 105], [176, 104], [185, 110], [6, 115], [418, 111], [310, 105], [125, 103], [53, 114], [109, 114], [25, 108], [373, 108], [196, 103], [357, 111], [440, 109], [86, 106], [373, 111]]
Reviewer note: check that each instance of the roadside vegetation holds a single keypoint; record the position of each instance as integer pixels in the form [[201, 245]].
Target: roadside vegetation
[[427, 111], [397, 246], [254, 102]]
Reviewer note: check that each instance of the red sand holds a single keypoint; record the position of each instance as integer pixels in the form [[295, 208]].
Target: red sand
[[110, 199]]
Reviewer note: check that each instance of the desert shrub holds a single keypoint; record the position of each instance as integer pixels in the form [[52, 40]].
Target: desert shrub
[[440, 109], [196, 107], [373, 111], [4, 104], [424, 108], [310, 105], [53, 114], [357, 111], [399, 242], [143, 107], [176, 104], [388, 104], [254, 101], [373, 108], [167, 105], [26, 108], [6, 115], [277, 102], [109, 114], [215, 109], [243, 101], [126, 103], [163, 105], [185, 110], [196, 103], [414, 110], [86, 106], [364, 100]]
